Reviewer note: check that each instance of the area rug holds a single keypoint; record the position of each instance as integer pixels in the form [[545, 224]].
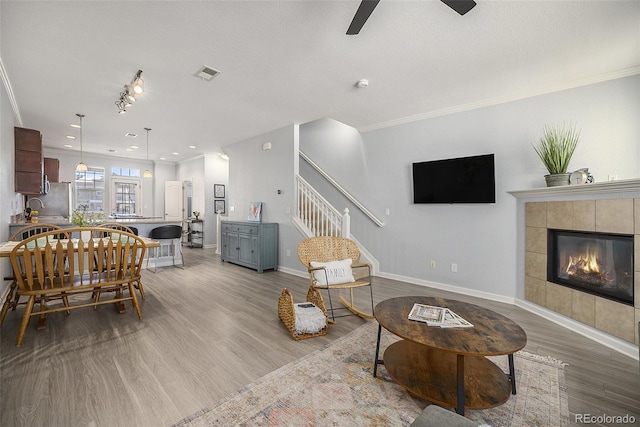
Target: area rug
[[334, 386]]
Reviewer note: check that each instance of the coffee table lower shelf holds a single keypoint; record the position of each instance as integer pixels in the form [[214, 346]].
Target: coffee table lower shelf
[[432, 375]]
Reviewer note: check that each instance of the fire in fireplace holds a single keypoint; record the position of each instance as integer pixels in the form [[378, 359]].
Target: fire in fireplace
[[597, 263]]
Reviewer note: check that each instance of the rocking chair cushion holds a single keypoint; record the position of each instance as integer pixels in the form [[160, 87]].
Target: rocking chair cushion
[[334, 272]]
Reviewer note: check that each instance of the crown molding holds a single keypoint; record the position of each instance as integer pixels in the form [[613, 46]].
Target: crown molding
[[10, 94], [504, 99]]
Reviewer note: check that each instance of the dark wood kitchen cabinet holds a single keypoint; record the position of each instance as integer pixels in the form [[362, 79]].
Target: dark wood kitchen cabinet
[[29, 161], [52, 169]]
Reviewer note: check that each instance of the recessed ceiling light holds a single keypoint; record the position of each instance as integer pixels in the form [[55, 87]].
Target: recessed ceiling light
[[163, 158], [68, 146], [175, 153], [71, 137], [130, 135], [192, 146], [135, 147], [129, 149], [75, 125]]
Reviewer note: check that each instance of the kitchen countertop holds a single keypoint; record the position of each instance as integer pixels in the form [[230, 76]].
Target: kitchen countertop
[[61, 221]]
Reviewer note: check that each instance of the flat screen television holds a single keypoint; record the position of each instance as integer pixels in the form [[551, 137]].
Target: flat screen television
[[460, 180]]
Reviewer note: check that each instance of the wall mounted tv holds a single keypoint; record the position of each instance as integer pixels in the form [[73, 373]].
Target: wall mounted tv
[[459, 180]]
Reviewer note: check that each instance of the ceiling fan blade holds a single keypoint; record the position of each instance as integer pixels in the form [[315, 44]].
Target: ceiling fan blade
[[362, 14], [460, 6]]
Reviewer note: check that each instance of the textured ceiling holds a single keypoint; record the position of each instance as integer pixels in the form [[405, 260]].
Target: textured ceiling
[[285, 62]]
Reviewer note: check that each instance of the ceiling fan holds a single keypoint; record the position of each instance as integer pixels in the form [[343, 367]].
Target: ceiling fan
[[366, 8]]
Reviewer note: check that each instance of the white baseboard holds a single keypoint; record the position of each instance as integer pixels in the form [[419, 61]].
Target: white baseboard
[[614, 343], [609, 341]]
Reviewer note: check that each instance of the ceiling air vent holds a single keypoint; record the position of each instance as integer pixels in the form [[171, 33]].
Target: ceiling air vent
[[207, 73]]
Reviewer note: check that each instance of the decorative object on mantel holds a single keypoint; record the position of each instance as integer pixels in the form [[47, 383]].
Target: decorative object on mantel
[[581, 176], [555, 148]]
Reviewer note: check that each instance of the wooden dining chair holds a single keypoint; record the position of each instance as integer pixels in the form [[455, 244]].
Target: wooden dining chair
[[117, 226], [38, 271], [333, 263], [12, 300]]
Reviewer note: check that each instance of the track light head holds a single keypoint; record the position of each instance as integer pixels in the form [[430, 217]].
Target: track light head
[[138, 84], [128, 94]]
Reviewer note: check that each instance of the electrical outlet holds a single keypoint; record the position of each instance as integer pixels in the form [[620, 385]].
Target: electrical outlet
[[454, 267], [288, 252], [433, 263]]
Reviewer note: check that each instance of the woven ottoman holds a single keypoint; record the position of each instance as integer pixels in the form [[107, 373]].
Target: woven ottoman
[[304, 320]]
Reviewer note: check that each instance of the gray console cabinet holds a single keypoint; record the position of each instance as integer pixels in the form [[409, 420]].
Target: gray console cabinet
[[250, 244]]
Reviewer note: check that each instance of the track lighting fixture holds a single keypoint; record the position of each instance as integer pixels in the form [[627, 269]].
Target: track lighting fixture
[[81, 167], [130, 93]]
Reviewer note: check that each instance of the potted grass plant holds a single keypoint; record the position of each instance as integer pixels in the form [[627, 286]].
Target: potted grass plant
[[555, 148]]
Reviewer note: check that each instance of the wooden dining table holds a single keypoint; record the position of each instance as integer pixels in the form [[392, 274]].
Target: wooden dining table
[[5, 252], [7, 247]]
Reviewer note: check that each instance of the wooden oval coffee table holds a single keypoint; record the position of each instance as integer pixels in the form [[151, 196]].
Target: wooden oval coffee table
[[447, 366]]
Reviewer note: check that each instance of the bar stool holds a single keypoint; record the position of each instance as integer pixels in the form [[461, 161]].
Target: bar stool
[[168, 233]]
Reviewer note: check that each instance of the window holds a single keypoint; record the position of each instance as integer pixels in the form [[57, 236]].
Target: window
[[133, 173], [125, 196], [90, 189]]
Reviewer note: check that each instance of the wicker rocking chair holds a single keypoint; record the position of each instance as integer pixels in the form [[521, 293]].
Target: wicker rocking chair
[[334, 263]]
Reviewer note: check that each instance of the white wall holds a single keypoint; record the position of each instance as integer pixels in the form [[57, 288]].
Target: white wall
[[480, 239], [256, 175]]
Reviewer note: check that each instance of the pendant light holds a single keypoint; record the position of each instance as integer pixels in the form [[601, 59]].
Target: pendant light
[[81, 167], [147, 173]]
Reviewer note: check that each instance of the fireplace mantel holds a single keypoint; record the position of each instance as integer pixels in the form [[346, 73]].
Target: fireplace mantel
[[608, 187]]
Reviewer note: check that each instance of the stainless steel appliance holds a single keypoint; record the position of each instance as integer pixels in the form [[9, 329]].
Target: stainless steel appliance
[[57, 202]]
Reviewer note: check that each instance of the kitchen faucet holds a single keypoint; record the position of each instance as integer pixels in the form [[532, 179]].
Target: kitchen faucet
[[35, 198]]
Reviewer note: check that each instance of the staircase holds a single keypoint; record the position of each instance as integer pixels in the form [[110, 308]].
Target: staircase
[[315, 215]]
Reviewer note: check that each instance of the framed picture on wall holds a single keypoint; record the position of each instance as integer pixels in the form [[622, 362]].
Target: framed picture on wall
[[255, 212], [218, 206], [218, 191]]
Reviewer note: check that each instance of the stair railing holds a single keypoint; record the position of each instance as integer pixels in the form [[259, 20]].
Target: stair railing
[[317, 214], [342, 190]]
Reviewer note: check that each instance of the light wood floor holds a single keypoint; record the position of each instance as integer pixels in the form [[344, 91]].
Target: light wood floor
[[212, 328]]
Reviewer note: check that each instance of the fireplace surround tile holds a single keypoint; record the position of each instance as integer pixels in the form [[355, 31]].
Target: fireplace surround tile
[[584, 215], [615, 319], [536, 265], [637, 335], [536, 214], [615, 216], [536, 291], [583, 307], [636, 210], [559, 299], [609, 216], [560, 215], [536, 240]]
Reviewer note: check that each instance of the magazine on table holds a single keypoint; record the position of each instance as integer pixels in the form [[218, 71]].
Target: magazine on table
[[437, 316]]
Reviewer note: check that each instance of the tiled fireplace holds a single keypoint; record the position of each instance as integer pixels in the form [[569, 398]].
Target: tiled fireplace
[[603, 294]]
